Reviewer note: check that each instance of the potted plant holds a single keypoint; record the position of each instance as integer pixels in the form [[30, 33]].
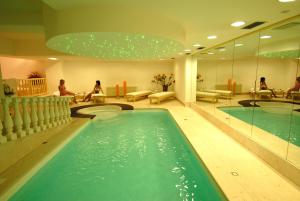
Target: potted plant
[[35, 74], [164, 80]]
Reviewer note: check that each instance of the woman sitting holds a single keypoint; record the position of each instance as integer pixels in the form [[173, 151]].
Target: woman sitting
[[295, 88], [263, 86], [96, 90], [63, 91]]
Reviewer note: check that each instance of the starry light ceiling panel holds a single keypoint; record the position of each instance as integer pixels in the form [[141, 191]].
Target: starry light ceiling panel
[[115, 46]]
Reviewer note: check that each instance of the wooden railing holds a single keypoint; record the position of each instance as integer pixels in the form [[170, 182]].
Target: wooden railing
[[31, 87], [27, 115]]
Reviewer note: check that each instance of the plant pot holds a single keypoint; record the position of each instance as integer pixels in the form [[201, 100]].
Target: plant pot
[[165, 87]]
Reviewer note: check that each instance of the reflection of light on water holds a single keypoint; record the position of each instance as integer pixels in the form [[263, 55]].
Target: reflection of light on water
[[184, 186]]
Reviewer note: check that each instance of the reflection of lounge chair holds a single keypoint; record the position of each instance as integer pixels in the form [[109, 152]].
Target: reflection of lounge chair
[[213, 96], [295, 94], [138, 94], [261, 93], [161, 96], [223, 93]]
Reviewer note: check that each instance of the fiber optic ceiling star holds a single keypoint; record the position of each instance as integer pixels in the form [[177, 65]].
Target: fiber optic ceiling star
[[115, 46]]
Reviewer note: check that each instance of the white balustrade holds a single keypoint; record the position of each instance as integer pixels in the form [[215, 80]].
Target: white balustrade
[[7, 120], [3, 138], [18, 121], [26, 117]]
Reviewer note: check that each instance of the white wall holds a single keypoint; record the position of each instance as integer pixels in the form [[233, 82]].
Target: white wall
[[279, 73], [179, 71], [20, 68], [80, 75]]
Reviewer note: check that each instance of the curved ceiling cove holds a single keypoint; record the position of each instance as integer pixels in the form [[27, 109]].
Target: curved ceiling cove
[[115, 46], [112, 32]]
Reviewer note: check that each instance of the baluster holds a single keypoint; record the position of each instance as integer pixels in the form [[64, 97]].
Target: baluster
[[3, 138], [56, 111], [26, 116], [40, 113], [68, 110], [65, 106], [46, 113], [34, 117], [60, 110], [8, 122], [51, 112], [18, 122]]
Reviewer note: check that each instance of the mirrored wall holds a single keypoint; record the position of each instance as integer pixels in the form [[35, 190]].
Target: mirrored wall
[[252, 84]]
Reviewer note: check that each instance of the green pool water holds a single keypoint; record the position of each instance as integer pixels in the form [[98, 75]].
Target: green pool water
[[281, 122], [136, 155]]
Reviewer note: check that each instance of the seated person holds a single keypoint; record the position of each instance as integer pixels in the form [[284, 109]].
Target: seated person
[[63, 91], [295, 88], [263, 86], [96, 90]]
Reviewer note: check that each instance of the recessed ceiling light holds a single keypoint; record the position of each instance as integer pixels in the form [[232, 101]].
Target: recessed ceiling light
[[286, 1], [222, 50], [197, 45], [238, 23], [210, 53], [53, 58], [180, 53], [187, 50], [211, 37], [238, 45], [265, 37]]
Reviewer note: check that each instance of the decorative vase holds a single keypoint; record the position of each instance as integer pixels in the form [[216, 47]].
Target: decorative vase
[[165, 87]]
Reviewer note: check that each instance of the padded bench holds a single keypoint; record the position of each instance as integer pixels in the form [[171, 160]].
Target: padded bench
[[203, 94], [161, 96], [138, 94], [223, 93]]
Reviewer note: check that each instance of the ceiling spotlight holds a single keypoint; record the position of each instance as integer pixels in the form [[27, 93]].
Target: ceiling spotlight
[[180, 53], [286, 1], [53, 58], [265, 37], [222, 50], [238, 45], [210, 53], [211, 37], [187, 50], [238, 23], [197, 45]]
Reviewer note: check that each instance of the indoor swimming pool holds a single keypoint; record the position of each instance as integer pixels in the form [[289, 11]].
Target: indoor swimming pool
[[131, 155], [280, 120]]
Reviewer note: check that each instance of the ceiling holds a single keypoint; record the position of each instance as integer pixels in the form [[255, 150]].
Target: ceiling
[[186, 22], [284, 43]]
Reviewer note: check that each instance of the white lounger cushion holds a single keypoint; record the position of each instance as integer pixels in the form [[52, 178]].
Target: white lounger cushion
[[161, 96], [137, 94]]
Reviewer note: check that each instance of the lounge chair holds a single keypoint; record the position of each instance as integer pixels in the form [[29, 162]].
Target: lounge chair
[[98, 98], [161, 96], [203, 94], [132, 96], [295, 94], [223, 93]]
